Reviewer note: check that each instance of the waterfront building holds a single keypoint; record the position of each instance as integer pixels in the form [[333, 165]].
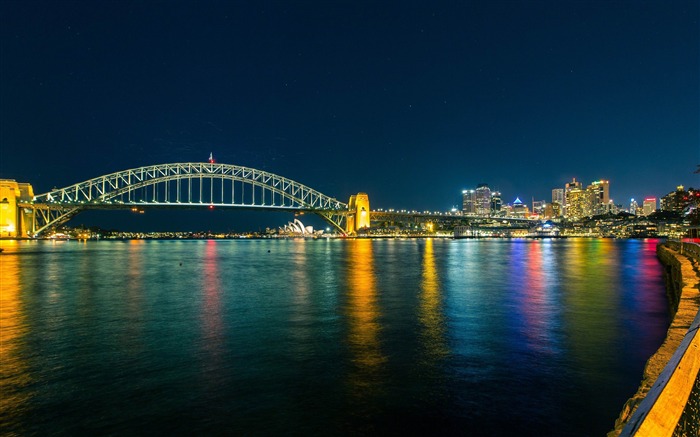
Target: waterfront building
[[15, 222], [468, 202], [649, 205], [483, 200]]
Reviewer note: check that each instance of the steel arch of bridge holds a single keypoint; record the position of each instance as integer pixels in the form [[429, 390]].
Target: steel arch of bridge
[[185, 185]]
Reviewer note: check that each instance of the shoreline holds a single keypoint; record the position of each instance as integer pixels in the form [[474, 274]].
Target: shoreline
[[682, 278]]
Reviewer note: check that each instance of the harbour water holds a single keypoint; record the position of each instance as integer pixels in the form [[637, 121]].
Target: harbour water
[[250, 337]]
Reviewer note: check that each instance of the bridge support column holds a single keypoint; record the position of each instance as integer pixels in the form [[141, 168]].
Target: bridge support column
[[359, 217], [15, 221]]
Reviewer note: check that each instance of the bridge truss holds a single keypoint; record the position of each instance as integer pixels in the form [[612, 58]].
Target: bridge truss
[[184, 185]]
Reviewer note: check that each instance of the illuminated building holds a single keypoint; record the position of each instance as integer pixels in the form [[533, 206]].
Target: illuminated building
[[676, 200], [633, 207], [558, 196], [360, 220], [519, 209], [577, 204], [599, 193], [468, 202], [496, 202], [297, 228], [649, 205], [15, 222], [538, 207], [552, 210], [483, 200], [573, 185]]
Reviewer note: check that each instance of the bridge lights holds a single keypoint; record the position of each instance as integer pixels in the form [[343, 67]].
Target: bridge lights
[[211, 206]]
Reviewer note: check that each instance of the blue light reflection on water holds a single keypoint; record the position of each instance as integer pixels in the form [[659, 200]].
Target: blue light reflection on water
[[362, 336]]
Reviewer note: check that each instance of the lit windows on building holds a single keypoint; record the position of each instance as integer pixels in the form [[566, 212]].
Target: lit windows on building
[[649, 205], [676, 201], [496, 202], [599, 192], [552, 210], [633, 207], [483, 200], [558, 196], [519, 209], [577, 204], [468, 202]]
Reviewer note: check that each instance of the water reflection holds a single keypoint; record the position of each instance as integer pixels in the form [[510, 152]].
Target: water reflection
[[212, 329], [591, 280], [430, 315], [14, 372], [302, 313], [537, 306], [363, 318]]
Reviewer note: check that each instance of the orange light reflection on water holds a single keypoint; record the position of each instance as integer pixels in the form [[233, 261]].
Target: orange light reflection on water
[[431, 316], [363, 317], [14, 372]]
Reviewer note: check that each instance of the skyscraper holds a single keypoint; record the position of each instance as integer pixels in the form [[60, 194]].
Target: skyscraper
[[483, 200], [558, 196], [468, 202], [577, 203], [599, 193], [496, 202], [573, 185], [633, 207]]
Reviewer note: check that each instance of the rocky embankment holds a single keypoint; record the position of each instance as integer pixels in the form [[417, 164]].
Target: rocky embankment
[[682, 276]]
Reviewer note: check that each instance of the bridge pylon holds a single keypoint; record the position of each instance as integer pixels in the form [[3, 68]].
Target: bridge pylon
[[359, 213]]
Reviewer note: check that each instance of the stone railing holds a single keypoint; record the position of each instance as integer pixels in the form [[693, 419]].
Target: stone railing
[[672, 405], [691, 250]]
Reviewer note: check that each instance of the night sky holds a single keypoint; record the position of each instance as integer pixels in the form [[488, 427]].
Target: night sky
[[409, 102]]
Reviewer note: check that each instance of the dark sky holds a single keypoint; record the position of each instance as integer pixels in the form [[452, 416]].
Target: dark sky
[[408, 101]]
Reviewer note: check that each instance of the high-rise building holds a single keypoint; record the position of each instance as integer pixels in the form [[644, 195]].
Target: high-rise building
[[496, 202], [468, 202], [633, 207], [573, 185], [519, 209], [649, 205], [599, 192], [538, 207], [676, 200], [558, 196], [552, 210], [577, 204], [483, 200]]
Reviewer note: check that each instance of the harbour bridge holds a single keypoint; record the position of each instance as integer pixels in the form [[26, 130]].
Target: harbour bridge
[[200, 185]]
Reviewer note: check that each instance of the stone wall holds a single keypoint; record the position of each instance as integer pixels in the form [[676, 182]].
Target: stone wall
[[682, 279]]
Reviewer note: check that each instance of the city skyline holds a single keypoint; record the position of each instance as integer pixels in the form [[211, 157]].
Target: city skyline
[[408, 102]]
